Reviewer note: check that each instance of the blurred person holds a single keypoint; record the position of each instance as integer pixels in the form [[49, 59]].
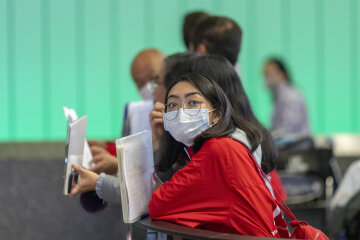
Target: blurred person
[[289, 115], [218, 35], [191, 20], [144, 68], [345, 205]]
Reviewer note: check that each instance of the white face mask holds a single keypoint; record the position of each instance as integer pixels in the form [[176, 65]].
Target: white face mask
[[270, 83], [185, 127], [146, 92]]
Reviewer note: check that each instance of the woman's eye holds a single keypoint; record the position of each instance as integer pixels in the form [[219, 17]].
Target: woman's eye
[[194, 103], [172, 105]]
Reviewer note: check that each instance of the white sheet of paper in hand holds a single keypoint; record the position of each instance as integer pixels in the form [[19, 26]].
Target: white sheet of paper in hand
[[136, 166], [87, 157]]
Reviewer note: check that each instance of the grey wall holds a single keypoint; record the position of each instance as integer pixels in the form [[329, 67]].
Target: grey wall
[[32, 205]]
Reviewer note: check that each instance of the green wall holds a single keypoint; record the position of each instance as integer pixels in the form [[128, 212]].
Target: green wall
[[78, 52]]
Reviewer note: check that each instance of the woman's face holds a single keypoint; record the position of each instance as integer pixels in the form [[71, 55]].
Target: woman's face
[[185, 95], [272, 74]]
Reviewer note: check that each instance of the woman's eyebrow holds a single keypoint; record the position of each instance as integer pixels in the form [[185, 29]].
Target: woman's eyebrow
[[173, 96], [192, 93]]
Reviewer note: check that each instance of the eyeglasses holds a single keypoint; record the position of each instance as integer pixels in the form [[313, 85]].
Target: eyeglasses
[[191, 108]]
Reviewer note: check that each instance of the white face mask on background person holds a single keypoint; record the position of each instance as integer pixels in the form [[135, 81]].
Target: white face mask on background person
[[185, 127], [146, 92], [271, 83]]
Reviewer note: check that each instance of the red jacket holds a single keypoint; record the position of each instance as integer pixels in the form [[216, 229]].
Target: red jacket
[[221, 190]]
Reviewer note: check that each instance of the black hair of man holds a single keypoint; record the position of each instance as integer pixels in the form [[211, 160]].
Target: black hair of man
[[220, 35], [191, 20]]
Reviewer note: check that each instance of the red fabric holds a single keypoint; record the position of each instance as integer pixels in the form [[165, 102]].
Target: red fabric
[[111, 148], [276, 183], [221, 190], [304, 231]]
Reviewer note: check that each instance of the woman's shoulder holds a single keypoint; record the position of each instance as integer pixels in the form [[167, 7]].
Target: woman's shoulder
[[223, 145]]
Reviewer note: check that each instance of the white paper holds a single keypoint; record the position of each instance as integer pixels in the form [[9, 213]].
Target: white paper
[[75, 146], [87, 156], [136, 166], [138, 113]]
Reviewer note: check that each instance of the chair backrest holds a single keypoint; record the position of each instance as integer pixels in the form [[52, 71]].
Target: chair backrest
[[308, 162], [304, 173]]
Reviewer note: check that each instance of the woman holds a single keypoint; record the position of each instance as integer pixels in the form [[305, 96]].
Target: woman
[[220, 189], [289, 116], [223, 73]]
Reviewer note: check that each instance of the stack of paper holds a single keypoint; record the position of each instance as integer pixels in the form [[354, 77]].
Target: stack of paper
[[136, 166]]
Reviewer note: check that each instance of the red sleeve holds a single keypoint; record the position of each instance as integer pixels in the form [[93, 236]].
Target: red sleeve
[[276, 183], [191, 194], [111, 148]]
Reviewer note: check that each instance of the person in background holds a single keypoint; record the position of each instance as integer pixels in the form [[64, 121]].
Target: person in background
[[145, 68], [191, 20], [218, 35], [289, 115]]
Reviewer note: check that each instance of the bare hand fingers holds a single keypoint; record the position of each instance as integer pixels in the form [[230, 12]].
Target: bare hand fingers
[[97, 150], [74, 190], [97, 158], [157, 121], [158, 106]]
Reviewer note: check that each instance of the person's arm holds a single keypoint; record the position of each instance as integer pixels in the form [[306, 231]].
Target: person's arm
[[108, 188]]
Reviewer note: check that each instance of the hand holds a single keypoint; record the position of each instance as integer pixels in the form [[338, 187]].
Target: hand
[[157, 124], [87, 181], [104, 162], [95, 150], [100, 144]]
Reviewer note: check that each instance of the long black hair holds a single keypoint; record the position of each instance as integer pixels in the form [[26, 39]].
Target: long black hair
[[226, 125], [220, 70]]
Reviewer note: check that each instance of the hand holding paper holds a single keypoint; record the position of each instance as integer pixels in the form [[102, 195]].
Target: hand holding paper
[[87, 181]]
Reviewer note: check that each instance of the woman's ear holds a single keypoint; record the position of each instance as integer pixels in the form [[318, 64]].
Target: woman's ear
[[215, 117]]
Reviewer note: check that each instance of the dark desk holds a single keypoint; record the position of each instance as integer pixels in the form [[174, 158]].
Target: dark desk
[[186, 232]]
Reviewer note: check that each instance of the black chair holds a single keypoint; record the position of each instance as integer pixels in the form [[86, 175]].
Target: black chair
[[308, 178]]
